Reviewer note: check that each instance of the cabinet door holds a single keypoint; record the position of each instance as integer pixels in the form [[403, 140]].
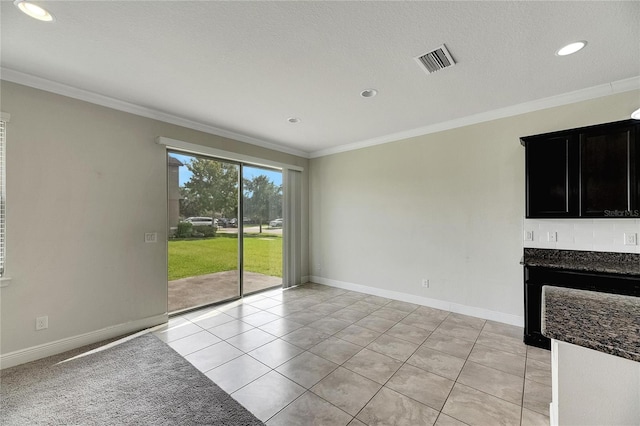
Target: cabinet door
[[532, 312], [608, 179], [551, 169], [532, 309]]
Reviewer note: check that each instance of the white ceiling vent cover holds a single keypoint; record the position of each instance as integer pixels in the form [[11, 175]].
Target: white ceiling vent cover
[[435, 60]]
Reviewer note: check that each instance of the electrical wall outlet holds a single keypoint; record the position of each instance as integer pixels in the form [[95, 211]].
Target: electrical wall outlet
[[528, 235], [42, 323], [151, 237], [630, 239], [425, 283], [552, 237]]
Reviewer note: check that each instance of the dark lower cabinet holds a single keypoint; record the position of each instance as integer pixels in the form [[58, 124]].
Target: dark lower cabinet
[[536, 277], [533, 317], [587, 172]]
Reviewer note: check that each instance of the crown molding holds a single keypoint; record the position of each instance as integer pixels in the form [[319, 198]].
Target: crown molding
[[25, 79], [594, 92], [602, 90]]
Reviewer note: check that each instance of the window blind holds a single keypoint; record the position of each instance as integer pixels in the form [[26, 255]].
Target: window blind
[[3, 187]]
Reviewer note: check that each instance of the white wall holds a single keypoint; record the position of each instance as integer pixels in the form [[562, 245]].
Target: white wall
[[447, 206], [84, 184]]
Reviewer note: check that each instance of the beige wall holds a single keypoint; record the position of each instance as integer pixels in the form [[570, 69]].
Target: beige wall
[[84, 184], [448, 207]]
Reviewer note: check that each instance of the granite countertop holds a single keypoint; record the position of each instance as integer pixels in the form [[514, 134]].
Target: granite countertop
[[608, 323], [587, 261]]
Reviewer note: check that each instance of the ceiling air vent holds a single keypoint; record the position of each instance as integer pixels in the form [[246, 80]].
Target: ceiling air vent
[[436, 60]]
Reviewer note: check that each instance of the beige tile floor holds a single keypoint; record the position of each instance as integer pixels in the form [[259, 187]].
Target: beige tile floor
[[325, 356]]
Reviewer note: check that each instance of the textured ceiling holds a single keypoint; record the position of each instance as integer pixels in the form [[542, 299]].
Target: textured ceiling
[[245, 67]]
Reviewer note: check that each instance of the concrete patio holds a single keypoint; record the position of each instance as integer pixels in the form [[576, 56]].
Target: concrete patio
[[196, 291]]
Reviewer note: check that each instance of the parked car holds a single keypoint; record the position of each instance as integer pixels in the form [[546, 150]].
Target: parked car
[[277, 223], [223, 222], [202, 221], [233, 223]]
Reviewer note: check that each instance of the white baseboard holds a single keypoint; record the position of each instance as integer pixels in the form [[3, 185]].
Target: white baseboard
[[425, 301], [52, 348], [553, 414]]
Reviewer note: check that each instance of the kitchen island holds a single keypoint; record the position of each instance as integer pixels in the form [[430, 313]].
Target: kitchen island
[[595, 356]]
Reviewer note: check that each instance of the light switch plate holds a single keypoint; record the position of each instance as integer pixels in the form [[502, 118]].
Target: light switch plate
[[528, 235], [552, 237], [42, 323], [151, 237]]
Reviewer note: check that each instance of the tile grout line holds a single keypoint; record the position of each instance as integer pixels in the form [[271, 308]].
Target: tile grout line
[[524, 384]]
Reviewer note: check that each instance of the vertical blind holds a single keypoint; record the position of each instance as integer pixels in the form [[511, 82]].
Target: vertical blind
[[3, 187], [292, 224]]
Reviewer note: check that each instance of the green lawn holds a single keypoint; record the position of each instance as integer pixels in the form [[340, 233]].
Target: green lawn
[[189, 258]]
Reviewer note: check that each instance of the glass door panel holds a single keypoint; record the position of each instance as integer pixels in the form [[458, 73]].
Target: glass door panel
[[203, 246], [262, 228]]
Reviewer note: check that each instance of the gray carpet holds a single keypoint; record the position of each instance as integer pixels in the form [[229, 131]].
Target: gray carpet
[[139, 382]]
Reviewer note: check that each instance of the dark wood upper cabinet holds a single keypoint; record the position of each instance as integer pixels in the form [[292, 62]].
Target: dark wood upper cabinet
[[590, 172], [608, 182], [551, 176]]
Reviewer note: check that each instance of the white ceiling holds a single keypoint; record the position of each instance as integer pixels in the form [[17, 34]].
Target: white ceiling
[[243, 68]]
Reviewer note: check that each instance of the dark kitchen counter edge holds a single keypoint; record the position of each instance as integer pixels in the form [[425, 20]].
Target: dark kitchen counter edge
[[608, 323], [584, 261]]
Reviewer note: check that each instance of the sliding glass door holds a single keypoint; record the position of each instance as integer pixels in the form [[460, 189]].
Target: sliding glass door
[[221, 247], [262, 230], [203, 245]]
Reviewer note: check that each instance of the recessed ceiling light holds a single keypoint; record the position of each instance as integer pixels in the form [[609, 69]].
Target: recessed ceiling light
[[571, 48], [636, 114], [368, 93], [293, 120], [34, 10]]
